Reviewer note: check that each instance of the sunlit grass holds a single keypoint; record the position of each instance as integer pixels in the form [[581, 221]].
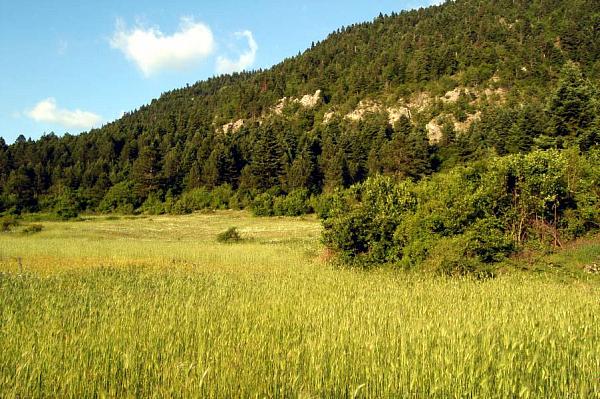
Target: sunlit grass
[[155, 307]]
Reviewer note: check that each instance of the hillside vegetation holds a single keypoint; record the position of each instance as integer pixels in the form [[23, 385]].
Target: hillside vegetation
[[470, 219], [407, 94]]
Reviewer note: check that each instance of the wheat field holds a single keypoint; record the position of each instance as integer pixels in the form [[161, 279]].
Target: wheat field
[[155, 307]]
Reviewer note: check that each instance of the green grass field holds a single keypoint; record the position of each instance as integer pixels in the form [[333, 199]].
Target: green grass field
[[155, 307]]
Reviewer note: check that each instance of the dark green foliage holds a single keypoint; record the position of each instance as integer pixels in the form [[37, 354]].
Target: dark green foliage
[[231, 235], [266, 166], [323, 204], [572, 107], [145, 172], [191, 201], [153, 205], [67, 205], [362, 221], [120, 198], [263, 204], [471, 217], [276, 203], [221, 197], [295, 203], [20, 189]]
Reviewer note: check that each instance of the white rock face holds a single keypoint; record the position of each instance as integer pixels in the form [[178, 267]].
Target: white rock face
[[462, 127], [434, 127], [368, 106], [233, 127], [453, 95], [328, 117], [500, 93], [307, 101], [419, 101], [364, 107], [434, 132], [396, 113], [278, 108], [310, 101]]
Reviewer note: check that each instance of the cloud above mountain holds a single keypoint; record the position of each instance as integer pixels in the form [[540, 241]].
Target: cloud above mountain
[[244, 61], [154, 51], [47, 111]]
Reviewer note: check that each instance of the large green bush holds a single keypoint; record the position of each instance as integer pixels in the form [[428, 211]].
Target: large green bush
[[120, 198], [191, 201], [67, 205], [263, 204], [153, 205], [468, 218], [221, 197], [276, 203], [296, 203]]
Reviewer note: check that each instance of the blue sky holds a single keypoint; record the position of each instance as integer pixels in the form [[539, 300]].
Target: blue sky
[[67, 65]]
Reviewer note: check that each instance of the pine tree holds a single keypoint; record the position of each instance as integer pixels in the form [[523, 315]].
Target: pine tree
[[20, 186], [221, 167], [303, 172], [145, 172], [571, 106], [266, 165]]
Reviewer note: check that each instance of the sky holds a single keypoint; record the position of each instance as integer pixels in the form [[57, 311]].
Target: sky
[[70, 65]]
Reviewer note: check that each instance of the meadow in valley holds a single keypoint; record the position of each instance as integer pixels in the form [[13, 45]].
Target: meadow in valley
[[157, 307]]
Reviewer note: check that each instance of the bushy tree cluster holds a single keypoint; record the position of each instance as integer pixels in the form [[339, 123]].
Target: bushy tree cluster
[[471, 217]]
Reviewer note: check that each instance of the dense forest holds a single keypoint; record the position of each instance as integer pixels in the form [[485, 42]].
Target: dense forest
[[406, 95]]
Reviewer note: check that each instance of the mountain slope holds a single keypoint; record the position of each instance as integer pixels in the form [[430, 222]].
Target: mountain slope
[[405, 94]]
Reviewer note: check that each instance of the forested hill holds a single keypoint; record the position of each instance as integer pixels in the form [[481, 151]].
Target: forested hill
[[407, 94]]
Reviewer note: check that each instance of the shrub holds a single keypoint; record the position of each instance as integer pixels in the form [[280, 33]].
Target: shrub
[[8, 222], [470, 218], [120, 198], [169, 203], [264, 204], [230, 235], [191, 201], [220, 197], [153, 205], [295, 203], [242, 199], [322, 204], [32, 229], [273, 203], [67, 205], [362, 221]]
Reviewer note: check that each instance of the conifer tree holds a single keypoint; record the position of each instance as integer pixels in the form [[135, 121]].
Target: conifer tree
[[571, 106], [266, 165], [145, 172]]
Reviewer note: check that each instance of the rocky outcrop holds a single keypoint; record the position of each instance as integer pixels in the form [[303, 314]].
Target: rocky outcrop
[[233, 127], [435, 127], [307, 101], [368, 106]]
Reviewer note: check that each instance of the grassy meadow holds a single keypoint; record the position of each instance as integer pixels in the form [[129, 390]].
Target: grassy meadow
[[156, 307]]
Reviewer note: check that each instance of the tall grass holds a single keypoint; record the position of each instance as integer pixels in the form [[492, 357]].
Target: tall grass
[[265, 319]]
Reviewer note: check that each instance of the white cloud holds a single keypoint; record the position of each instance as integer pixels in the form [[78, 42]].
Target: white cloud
[[153, 51], [47, 111], [246, 59]]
